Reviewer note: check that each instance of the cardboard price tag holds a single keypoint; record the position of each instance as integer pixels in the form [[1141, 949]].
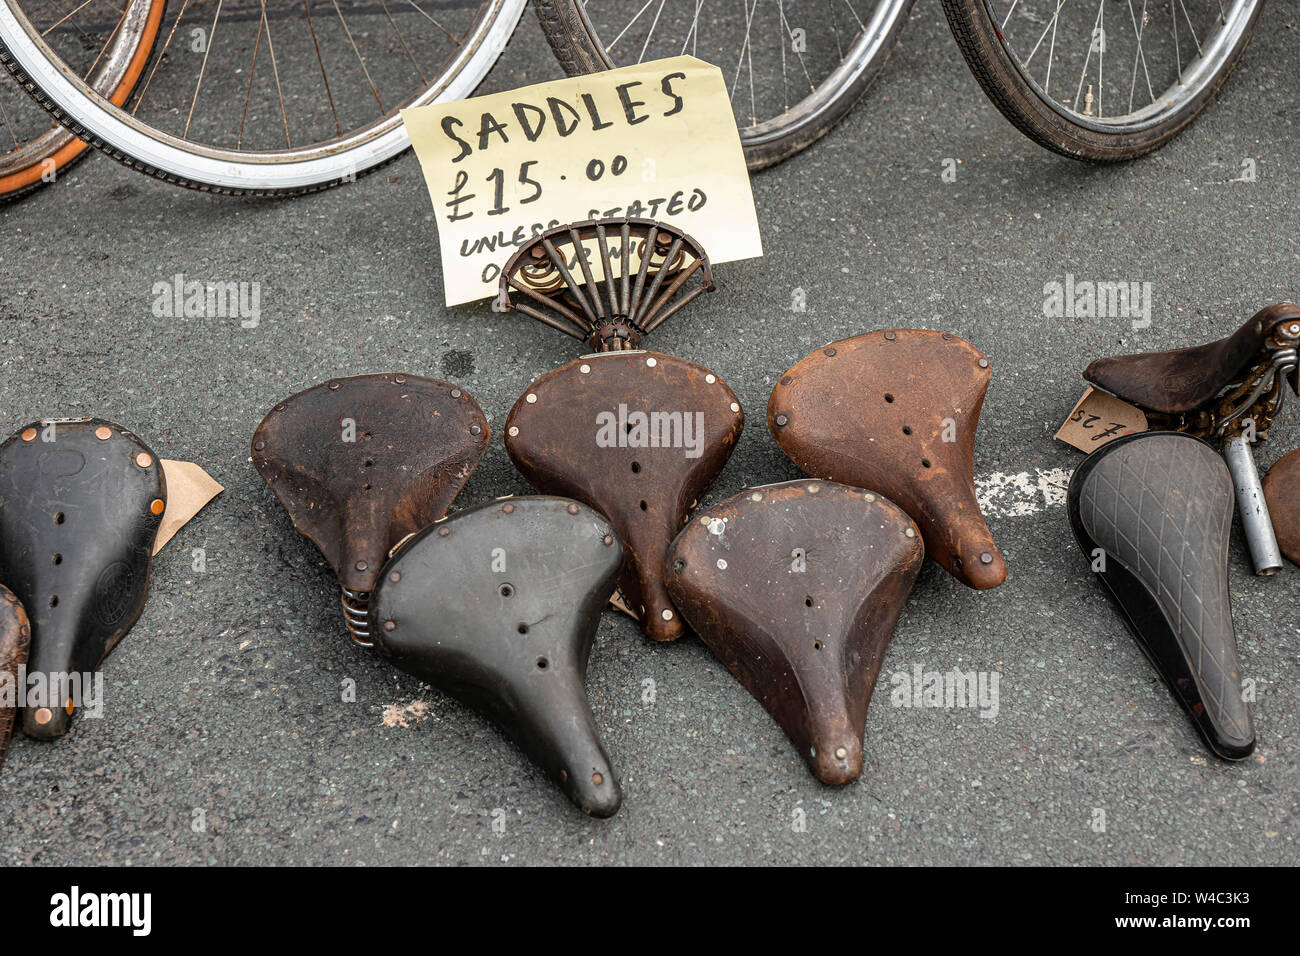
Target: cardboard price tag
[[1098, 418], [189, 488], [656, 141]]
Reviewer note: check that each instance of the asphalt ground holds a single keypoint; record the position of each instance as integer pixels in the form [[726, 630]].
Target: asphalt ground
[[225, 698]]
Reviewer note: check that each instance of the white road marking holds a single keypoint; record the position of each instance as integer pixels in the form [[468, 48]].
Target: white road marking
[[1022, 493]]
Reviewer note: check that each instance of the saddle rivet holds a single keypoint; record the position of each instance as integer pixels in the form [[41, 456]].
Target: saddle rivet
[[786, 380], [157, 506], [984, 363], [704, 520], [564, 776], [584, 369], [891, 336], [910, 533], [531, 399], [258, 446], [476, 429], [830, 353], [782, 421], [29, 434], [608, 539], [666, 614], [710, 379], [514, 431], [869, 496], [395, 576], [43, 715], [401, 380], [813, 489], [143, 460], [651, 362], [756, 496], [722, 564], [1293, 330], [443, 532], [986, 558], [573, 509], [103, 433], [597, 779], [508, 509], [390, 625], [334, 386], [361, 565], [735, 407], [841, 753]]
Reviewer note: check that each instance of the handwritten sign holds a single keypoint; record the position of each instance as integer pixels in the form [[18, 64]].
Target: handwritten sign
[[1098, 418], [655, 141]]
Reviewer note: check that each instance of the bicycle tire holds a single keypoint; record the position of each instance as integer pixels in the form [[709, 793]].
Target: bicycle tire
[[1021, 102], [225, 172], [25, 169], [578, 50]]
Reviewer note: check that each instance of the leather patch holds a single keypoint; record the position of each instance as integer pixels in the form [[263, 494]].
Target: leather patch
[[15, 635]]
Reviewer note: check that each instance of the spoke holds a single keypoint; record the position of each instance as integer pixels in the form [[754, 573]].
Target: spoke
[[319, 59], [448, 33], [1139, 27], [402, 40], [248, 94], [693, 31], [158, 62], [789, 32], [360, 59], [66, 16], [749, 20], [1051, 26], [1088, 58], [1191, 29], [10, 123], [645, 46], [614, 42], [1005, 19], [212, 35], [275, 71]]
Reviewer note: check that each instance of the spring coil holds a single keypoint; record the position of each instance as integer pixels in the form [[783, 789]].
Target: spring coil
[[356, 615]]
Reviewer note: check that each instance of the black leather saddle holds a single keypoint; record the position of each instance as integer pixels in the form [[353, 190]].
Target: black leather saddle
[[796, 587], [15, 635], [1153, 513], [360, 463], [80, 505], [1186, 380], [498, 606]]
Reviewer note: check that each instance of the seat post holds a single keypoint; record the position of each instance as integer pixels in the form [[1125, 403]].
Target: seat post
[[1255, 519]]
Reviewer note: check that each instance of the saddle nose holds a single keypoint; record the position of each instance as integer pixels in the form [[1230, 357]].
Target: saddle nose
[[498, 606], [896, 412], [1153, 511], [639, 436], [360, 463], [796, 588], [82, 504]]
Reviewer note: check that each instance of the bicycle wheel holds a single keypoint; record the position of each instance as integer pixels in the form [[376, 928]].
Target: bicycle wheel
[[794, 68], [1098, 79], [112, 65], [246, 98]]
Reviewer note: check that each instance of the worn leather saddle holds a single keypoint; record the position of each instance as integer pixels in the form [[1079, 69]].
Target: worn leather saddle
[[498, 606], [1184, 381], [796, 588], [1153, 513], [15, 636], [895, 412], [360, 463], [639, 436], [80, 505], [1282, 491]]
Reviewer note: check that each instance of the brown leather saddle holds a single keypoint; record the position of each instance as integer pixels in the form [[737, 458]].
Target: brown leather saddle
[[637, 435], [360, 463], [15, 636], [1282, 490], [895, 412], [1184, 381], [796, 588], [80, 505]]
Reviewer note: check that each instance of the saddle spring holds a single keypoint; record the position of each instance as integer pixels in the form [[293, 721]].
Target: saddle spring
[[356, 615]]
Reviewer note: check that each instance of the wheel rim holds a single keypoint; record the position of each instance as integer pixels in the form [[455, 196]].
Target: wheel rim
[[1120, 67], [778, 83], [236, 165]]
